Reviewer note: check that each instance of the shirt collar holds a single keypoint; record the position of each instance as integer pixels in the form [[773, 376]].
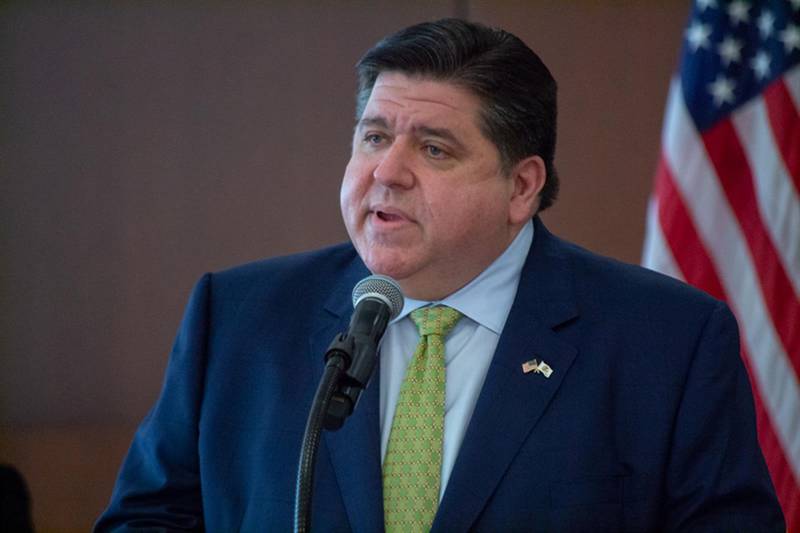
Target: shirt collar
[[497, 284]]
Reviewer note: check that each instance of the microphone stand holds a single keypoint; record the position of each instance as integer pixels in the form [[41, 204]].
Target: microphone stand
[[349, 363], [308, 452]]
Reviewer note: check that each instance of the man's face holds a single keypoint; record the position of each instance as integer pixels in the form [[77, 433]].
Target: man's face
[[423, 196]]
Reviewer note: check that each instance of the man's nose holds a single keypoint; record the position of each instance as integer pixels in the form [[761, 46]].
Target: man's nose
[[393, 169]]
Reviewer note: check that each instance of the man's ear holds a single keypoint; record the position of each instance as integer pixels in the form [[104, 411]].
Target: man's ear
[[529, 177]]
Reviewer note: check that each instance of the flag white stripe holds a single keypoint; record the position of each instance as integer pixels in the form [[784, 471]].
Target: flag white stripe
[[792, 81], [657, 254], [778, 202], [721, 236]]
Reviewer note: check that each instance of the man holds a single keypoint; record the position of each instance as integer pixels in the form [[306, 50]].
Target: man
[[574, 393]]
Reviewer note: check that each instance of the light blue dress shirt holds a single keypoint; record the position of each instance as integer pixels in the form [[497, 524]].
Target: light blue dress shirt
[[485, 303]]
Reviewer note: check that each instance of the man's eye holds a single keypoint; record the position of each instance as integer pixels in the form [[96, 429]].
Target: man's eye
[[373, 138], [435, 151]]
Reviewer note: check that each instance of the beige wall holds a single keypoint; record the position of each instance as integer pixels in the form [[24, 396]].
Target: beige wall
[[146, 143]]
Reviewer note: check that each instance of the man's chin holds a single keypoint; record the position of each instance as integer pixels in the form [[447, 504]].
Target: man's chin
[[394, 265]]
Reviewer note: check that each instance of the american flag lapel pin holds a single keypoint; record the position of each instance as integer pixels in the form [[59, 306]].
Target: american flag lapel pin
[[530, 366]]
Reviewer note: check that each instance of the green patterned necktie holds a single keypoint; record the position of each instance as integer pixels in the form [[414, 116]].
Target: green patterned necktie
[[413, 464]]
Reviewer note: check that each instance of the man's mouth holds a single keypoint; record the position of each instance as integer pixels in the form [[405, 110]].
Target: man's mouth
[[388, 217], [389, 214]]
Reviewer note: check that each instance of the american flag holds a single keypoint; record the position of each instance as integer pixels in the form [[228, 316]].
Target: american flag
[[725, 212]]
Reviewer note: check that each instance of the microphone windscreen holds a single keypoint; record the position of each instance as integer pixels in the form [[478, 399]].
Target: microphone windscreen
[[382, 287]]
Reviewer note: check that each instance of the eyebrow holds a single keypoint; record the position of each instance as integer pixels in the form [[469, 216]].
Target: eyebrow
[[441, 133], [379, 122]]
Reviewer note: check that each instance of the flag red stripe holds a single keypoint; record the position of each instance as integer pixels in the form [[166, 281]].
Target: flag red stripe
[[733, 170], [698, 269], [784, 119], [683, 239], [787, 488]]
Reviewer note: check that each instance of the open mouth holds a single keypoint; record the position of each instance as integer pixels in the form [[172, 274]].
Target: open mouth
[[387, 217]]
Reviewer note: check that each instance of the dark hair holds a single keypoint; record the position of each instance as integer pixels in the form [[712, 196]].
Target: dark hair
[[517, 90]]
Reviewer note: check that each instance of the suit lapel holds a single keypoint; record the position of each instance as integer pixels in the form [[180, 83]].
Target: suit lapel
[[355, 448], [511, 401]]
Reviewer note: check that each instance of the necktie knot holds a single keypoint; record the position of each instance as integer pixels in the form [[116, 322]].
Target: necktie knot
[[438, 320]]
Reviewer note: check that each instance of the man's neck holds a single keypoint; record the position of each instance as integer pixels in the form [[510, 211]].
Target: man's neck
[[434, 286]]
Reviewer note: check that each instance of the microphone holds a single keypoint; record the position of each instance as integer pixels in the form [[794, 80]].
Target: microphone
[[377, 300]]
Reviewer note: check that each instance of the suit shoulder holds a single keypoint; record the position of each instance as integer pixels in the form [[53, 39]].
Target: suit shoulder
[[633, 285], [289, 274]]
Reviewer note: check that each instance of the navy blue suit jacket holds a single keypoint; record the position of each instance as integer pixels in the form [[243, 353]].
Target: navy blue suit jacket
[[646, 422]]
